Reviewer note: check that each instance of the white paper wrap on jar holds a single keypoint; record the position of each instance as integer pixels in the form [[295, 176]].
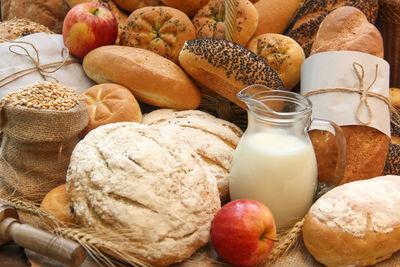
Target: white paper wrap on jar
[[49, 47], [335, 69]]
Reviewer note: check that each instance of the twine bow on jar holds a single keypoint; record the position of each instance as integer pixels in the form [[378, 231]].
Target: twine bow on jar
[[43, 69], [364, 95]]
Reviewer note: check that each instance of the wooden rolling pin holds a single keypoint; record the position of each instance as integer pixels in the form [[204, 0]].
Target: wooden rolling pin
[[54, 247]]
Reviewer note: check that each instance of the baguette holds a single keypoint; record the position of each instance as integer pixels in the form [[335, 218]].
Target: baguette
[[152, 79]]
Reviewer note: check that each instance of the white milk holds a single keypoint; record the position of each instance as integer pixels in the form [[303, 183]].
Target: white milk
[[278, 170]]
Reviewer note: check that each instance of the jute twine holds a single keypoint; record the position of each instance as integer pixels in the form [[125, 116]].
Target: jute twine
[[364, 95], [43, 69]]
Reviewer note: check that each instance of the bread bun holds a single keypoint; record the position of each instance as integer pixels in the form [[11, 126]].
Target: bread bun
[[57, 204], [110, 102], [210, 23], [50, 13], [131, 5], [162, 30], [120, 15], [16, 28], [145, 186], [213, 139], [356, 224], [151, 78], [226, 67], [307, 20], [282, 53], [190, 7], [273, 16], [347, 28]]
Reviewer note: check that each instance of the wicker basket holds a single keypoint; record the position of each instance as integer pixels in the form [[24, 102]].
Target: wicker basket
[[389, 26]]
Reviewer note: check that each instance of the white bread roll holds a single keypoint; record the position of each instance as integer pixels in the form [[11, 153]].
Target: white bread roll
[[145, 186], [355, 224], [213, 139], [152, 78], [226, 67]]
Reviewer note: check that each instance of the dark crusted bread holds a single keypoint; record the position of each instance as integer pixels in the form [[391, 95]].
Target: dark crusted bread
[[305, 24], [226, 67]]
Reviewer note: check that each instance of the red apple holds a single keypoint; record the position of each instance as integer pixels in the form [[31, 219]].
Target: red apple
[[88, 26], [243, 232]]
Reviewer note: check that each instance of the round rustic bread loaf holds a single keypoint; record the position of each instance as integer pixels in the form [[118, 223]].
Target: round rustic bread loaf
[[356, 224], [282, 53], [226, 67], [306, 23], [212, 138], [147, 185], [209, 21], [110, 102], [162, 30], [347, 28]]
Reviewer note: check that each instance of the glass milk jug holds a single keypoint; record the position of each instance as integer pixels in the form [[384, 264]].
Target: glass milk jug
[[274, 161]]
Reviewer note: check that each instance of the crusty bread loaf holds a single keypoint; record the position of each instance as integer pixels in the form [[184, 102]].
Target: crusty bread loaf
[[190, 7], [212, 138], [210, 23], [305, 24], [226, 67], [356, 224], [120, 15], [162, 30], [274, 16], [152, 78], [347, 28], [16, 28], [57, 204], [110, 102], [366, 153], [148, 186], [50, 13], [282, 53], [131, 5]]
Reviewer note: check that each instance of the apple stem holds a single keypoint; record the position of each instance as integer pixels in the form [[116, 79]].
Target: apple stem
[[96, 11], [271, 239]]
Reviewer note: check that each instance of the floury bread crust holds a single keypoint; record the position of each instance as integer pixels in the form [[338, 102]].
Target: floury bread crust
[[147, 183], [226, 67], [213, 139], [356, 224]]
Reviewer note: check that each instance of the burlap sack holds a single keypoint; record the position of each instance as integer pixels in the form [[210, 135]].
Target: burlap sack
[[36, 147]]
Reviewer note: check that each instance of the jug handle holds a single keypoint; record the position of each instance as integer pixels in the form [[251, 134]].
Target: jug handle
[[340, 139]]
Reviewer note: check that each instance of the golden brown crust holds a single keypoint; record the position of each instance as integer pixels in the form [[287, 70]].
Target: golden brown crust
[[366, 151], [356, 224], [209, 21], [110, 102], [282, 53], [226, 67], [50, 13], [190, 7], [162, 30], [152, 78], [131, 5], [305, 24], [56, 203], [273, 16], [16, 28], [347, 28], [394, 96]]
